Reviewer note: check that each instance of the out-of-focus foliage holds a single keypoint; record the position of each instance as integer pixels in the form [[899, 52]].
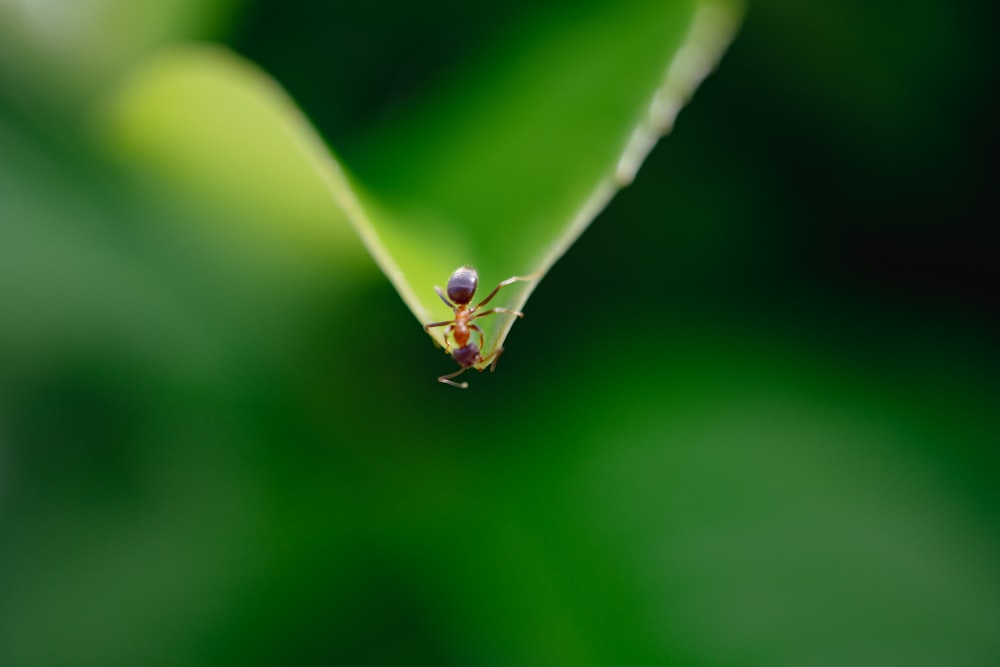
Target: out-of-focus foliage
[[750, 419], [57, 54]]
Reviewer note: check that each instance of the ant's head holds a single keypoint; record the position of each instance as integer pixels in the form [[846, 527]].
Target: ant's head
[[467, 355], [462, 285]]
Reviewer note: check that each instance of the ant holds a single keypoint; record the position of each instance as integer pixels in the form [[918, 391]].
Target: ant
[[461, 288]]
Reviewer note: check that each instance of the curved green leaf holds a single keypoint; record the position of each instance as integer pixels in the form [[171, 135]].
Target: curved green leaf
[[217, 127], [507, 166], [503, 168]]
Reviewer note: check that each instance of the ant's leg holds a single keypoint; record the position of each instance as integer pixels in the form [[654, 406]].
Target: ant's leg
[[495, 356], [444, 298], [447, 332], [447, 338], [497, 310], [447, 379], [480, 332], [509, 281]]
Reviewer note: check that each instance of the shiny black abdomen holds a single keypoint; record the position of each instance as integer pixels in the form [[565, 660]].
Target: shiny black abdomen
[[462, 285]]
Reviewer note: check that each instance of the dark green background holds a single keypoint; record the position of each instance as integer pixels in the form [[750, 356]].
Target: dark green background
[[751, 418]]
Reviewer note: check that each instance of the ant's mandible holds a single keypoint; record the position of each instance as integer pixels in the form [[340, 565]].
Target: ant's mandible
[[461, 288]]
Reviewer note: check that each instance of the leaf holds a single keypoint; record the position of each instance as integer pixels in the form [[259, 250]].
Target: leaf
[[217, 127], [502, 168], [506, 168]]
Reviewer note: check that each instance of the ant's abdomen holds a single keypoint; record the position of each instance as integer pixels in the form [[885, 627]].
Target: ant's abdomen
[[462, 285]]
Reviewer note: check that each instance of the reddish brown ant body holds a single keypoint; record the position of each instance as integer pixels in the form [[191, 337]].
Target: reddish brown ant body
[[461, 288]]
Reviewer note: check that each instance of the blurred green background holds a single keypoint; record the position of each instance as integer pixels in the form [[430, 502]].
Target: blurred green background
[[751, 418]]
